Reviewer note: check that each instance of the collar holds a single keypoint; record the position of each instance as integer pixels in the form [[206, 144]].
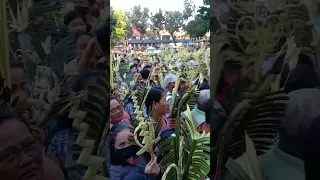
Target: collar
[[292, 161], [198, 111]]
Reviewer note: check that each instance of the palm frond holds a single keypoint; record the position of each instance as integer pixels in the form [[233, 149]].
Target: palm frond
[[190, 153], [260, 118], [90, 121]]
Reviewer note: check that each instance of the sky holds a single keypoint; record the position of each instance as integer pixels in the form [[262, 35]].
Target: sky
[[166, 5]]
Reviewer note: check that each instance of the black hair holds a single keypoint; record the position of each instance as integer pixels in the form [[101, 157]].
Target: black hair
[[302, 76], [72, 15], [221, 83], [113, 97], [155, 94], [145, 73], [147, 66], [136, 59], [133, 66], [81, 80], [103, 37], [206, 110], [135, 175], [115, 158]]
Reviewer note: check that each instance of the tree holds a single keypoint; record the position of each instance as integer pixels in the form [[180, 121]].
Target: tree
[[196, 27], [118, 30], [204, 13], [189, 8], [139, 17], [157, 20], [201, 24]]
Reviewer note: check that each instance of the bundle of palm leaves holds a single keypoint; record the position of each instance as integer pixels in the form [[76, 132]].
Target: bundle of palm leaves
[[37, 39], [259, 111], [186, 153]]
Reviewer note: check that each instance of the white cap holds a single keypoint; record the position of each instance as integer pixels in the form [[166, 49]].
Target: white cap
[[170, 78]]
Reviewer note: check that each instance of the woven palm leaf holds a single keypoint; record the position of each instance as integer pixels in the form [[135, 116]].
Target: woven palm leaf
[[90, 120]]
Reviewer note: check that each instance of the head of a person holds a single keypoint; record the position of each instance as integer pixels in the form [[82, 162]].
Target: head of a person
[[136, 61], [135, 175], [301, 110], [116, 110], [305, 75], [19, 83], [148, 67], [121, 151], [203, 98], [156, 100], [232, 71], [144, 74], [82, 40], [133, 68], [84, 6], [20, 152], [169, 82], [76, 23]]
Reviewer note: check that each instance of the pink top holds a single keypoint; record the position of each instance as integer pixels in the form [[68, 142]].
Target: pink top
[[165, 117], [122, 120]]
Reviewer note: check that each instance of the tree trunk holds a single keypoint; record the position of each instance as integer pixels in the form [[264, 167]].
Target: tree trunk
[[173, 39]]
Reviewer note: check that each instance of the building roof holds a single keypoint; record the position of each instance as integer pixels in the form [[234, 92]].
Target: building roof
[[135, 32]]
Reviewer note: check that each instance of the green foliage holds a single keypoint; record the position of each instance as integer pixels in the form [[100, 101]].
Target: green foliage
[[119, 18], [139, 17], [157, 20], [201, 24], [188, 152], [197, 27]]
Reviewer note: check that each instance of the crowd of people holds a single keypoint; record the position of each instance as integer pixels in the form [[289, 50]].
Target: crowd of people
[[140, 73], [48, 151]]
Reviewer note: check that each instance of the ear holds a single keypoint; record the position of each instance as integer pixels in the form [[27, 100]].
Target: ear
[[155, 105]]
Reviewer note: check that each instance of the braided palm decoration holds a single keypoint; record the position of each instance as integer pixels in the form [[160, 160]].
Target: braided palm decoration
[[89, 120]]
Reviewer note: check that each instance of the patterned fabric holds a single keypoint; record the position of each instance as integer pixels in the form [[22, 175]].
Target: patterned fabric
[[118, 172], [122, 120], [130, 109], [63, 147], [165, 117]]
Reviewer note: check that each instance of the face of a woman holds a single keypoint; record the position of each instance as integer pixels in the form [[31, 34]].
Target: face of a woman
[[77, 25], [162, 107], [82, 43], [20, 155], [19, 81], [134, 70], [122, 139], [116, 111]]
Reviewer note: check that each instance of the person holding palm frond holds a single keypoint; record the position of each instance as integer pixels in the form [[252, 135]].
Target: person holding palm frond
[[123, 158]]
